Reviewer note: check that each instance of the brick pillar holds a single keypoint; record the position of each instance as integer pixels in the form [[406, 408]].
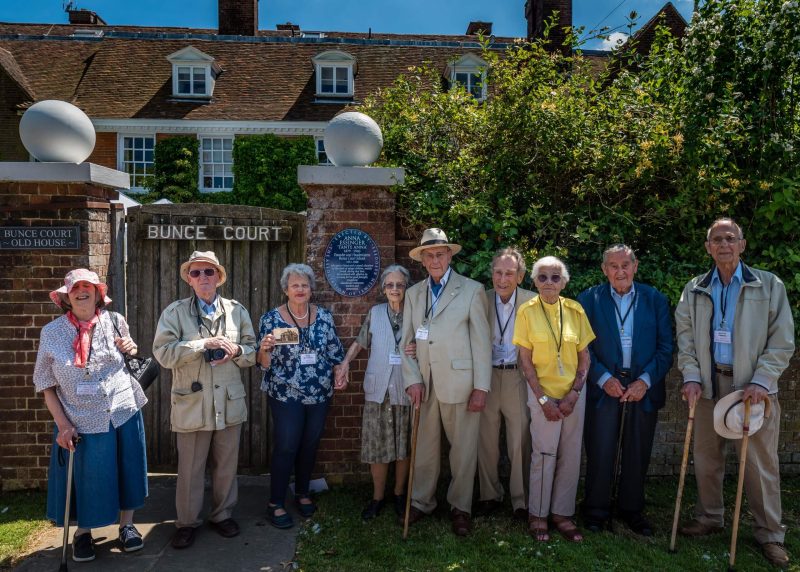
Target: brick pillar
[[43, 195], [339, 198]]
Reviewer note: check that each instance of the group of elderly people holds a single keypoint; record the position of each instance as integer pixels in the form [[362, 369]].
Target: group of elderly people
[[556, 372]]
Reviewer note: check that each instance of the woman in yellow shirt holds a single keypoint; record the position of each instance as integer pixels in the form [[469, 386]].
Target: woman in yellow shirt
[[553, 335]]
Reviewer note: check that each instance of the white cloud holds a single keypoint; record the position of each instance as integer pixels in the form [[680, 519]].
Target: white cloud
[[614, 40]]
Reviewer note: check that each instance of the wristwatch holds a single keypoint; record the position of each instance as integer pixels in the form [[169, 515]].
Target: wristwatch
[[543, 399]]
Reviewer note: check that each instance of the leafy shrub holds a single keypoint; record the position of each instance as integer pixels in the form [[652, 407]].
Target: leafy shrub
[[175, 168]]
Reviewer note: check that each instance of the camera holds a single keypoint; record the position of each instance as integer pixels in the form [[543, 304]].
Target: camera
[[214, 354]]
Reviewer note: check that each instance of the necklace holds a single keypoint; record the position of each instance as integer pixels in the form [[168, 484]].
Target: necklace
[[303, 317]]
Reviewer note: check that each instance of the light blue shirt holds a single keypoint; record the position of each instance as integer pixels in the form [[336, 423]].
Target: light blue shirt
[[435, 297], [725, 304], [623, 303], [208, 309]]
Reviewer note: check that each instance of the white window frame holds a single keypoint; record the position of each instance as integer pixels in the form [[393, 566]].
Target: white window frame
[[202, 163], [335, 60], [194, 59], [319, 143], [121, 163], [471, 65]]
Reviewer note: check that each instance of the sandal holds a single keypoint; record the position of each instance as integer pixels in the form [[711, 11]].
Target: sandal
[[537, 528], [566, 527]]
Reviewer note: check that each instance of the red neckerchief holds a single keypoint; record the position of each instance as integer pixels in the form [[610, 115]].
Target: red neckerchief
[[84, 338]]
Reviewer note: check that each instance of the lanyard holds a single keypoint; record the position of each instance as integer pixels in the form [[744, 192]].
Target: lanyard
[[305, 340], [552, 331], [724, 300], [501, 327], [430, 310], [395, 329], [201, 324], [623, 319]]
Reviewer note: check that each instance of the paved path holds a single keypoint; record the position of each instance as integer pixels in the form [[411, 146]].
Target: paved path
[[259, 547]]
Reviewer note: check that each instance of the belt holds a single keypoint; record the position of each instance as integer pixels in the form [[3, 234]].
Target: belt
[[623, 374], [505, 366], [725, 370]]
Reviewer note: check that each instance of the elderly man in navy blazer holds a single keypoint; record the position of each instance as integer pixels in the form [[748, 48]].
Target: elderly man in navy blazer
[[630, 358]]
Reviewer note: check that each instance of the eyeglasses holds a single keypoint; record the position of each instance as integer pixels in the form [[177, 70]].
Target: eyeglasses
[[394, 286], [554, 278], [720, 240], [206, 271]]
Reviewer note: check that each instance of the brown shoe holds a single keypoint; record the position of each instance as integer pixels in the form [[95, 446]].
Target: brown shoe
[[183, 537], [776, 554], [696, 528], [414, 516], [227, 528], [461, 523], [537, 528]]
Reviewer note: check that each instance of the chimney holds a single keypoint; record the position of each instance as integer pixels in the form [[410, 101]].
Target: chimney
[[288, 27], [537, 12], [85, 18], [484, 28], [238, 17]]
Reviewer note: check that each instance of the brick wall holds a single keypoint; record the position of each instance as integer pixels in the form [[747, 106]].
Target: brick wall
[[331, 209], [105, 150], [27, 278]]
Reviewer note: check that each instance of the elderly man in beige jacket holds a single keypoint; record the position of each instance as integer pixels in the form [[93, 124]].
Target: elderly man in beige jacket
[[735, 331], [206, 340], [445, 315]]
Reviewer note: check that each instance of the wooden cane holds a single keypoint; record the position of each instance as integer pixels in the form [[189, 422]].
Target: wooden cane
[[414, 433], [682, 480], [740, 486]]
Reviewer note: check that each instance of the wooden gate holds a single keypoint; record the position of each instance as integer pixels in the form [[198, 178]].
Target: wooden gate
[[253, 244]]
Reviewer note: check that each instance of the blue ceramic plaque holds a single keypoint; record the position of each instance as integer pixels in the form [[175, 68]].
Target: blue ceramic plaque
[[352, 262]]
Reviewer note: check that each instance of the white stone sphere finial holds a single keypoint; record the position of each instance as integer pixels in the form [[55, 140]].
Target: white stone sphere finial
[[353, 139], [57, 131]]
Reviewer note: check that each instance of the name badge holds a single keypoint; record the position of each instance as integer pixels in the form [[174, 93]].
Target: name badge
[[627, 341], [394, 358], [498, 352], [722, 337], [308, 359], [88, 388], [422, 333]]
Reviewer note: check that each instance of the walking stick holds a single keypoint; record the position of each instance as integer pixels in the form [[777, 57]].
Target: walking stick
[[63, 566], [615, 487], [742, 462], [682, 479], [414, 433]]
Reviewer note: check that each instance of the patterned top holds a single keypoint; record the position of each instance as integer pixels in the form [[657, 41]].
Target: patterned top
[[92, 397], [287, 379]]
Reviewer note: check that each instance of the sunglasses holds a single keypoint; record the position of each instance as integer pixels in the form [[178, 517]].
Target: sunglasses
[[394, 286], [206, 271], [555, 278]]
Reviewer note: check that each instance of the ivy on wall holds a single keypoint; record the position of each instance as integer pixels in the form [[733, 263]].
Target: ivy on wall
[[175, 167]]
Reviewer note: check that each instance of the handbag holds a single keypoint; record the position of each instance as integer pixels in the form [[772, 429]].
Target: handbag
[[145, 370]]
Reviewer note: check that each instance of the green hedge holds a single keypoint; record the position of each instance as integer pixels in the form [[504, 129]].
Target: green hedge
[[176, 166]]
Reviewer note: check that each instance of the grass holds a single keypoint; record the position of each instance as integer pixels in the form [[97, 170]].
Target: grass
[[21, 522], [336, 539]]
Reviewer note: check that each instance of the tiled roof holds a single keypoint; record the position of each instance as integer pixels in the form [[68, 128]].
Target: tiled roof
[[270, 77], [9, 64]]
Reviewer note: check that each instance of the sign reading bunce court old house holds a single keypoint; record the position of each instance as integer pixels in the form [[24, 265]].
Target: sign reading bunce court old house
[[270, 233], [40, 238]]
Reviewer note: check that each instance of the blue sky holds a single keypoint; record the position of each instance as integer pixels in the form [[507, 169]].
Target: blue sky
[[396, 16]]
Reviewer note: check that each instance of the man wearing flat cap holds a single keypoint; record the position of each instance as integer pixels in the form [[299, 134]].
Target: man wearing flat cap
[[445, 315], [735, 331], [206, 340]]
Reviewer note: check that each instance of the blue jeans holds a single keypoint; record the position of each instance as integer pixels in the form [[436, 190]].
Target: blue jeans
[[297, 431]]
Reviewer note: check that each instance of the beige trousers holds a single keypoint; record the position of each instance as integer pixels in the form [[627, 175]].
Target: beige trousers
[[555, 460], [506, 401], [193, 451], [762, 483], [461, 429]]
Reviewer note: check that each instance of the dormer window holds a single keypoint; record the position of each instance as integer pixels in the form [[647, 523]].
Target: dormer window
[[469, 71], [334, 71], [193, 73]]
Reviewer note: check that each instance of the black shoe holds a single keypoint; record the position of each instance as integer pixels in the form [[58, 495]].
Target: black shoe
[[183, 537], [83, 548], [638, 524], [226, 528], [373, 509], [487, 507], [400, 504], [594, 525], [130, 538], [520, 514]]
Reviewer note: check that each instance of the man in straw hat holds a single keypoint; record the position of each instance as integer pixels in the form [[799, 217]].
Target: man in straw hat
[[735, 331], [445, 315], [206, 340]]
